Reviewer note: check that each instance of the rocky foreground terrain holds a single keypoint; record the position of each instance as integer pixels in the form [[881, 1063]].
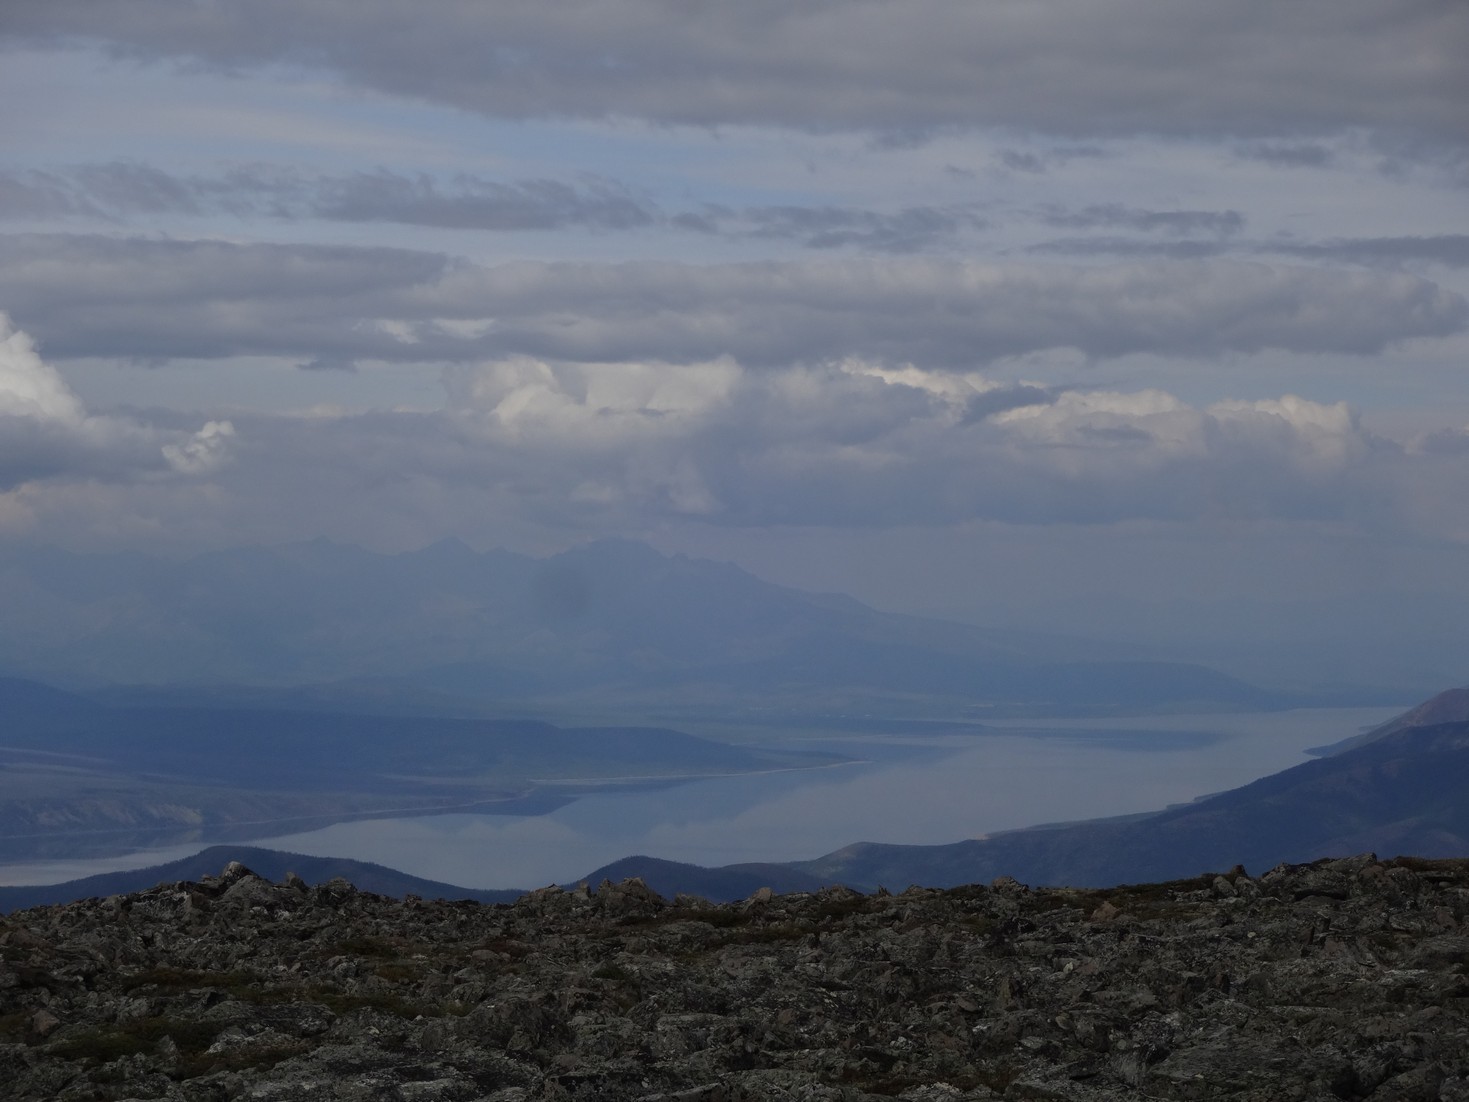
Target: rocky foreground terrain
[[1343, 979]]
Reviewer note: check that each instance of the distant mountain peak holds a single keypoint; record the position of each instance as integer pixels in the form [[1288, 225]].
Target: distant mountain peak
[[614, 620]]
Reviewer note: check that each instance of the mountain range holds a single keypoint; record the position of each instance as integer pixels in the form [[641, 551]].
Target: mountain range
[[611, 628]]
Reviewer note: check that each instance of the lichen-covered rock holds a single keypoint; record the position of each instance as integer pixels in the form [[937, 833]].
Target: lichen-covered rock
[[1338, 980]]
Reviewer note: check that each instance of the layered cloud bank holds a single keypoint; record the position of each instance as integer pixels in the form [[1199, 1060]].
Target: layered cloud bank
[[582, 447], [98, 296], [1071, 67], [858, 445]]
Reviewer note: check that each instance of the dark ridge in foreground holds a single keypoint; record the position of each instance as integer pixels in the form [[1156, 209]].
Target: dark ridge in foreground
[[722, 884], [1342, 979], [272, 864]]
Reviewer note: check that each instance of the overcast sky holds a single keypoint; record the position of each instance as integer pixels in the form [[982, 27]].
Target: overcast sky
[[1033, 311]]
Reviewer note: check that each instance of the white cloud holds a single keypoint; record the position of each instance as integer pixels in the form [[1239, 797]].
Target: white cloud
[[862, 445], [578, 405], [28, 386], [555, 451], [202, 452], [47, 433], [1316, 436]]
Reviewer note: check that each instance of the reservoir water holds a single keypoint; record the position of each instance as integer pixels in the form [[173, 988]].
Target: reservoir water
[[898, 789]]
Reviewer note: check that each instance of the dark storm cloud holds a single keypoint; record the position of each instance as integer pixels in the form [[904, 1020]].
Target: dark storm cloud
[[1179, 222], [1067, 67], [99, 296]]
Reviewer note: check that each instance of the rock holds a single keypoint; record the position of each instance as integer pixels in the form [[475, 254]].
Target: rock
[[1336, 980]]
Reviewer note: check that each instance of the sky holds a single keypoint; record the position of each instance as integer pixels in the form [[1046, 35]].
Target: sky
[[1141, 319]]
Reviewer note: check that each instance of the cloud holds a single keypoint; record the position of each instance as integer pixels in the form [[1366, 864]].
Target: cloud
[[475, 203], [577, 447], [1289, 154], [1177, 222], [540, 445], [155, 299], [202, 452], [909, 230], [1133, 247], [29, 387], [132, 188], [324, 363], [31, 195], [121, 189], [46, 433], [1053, 65], [118, 190], [1448, 249], [1038, 162]]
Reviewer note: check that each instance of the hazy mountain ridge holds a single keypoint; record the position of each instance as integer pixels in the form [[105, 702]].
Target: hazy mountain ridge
[[613, 621]]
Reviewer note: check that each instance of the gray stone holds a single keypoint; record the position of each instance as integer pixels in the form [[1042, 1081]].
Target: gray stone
[[1326, 981]]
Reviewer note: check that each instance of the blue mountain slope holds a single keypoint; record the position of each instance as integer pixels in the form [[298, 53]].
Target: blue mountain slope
[[1404, 793]]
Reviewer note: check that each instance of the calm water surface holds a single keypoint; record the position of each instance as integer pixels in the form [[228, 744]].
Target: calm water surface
[[917, 791]]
